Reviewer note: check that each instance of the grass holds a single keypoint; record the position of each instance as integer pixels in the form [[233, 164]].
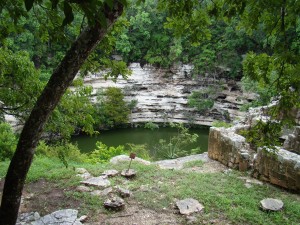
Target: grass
[[224, 196], [195, 163]]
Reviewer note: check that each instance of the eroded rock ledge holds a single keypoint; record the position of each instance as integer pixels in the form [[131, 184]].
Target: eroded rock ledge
[[281, 168]]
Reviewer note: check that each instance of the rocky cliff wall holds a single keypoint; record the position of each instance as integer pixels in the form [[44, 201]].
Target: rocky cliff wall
[[162, 94]]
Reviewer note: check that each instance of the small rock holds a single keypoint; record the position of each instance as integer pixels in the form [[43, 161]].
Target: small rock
[[107, 191], [82, 188], [83, 218], [81, 170], [128, 173], [125, 158], [99, 182], [65, 216], [124, 193], [110, 173], [28, 217], [247, 185], [188, 206], [271, 204], [84, 176], [114, 203]]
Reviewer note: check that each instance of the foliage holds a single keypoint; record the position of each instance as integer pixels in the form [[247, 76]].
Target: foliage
[[151, 126], [141, 151], [261, 133], [103, 153], [174, 147], [19, 83], [65, 152], [75, 111], [8, 141], [218, 123], [111, 108], [202, 100]]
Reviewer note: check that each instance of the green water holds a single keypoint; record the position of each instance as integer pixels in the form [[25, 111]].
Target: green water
[[139, 136]]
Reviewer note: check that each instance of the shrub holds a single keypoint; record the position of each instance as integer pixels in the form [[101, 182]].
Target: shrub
[[65, 152], [151, 126], [103, 153], [8, 141]]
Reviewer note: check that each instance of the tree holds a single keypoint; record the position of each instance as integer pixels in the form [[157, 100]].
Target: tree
[[101, 15], [111, 108]]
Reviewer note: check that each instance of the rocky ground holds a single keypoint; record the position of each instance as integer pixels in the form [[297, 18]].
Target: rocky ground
[[45, 197]]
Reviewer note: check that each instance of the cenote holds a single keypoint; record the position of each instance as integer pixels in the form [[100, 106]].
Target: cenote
[[140, 136]]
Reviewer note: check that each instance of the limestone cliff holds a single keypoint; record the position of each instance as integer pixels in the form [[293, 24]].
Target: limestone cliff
[[162, 94]]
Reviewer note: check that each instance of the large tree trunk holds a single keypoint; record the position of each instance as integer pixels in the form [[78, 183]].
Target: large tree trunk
[[56, 87]]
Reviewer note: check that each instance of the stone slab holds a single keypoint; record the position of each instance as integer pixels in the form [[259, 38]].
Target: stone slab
[[271, 204], [99, 182], [189, 206]]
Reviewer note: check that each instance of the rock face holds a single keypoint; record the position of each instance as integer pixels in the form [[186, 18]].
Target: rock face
[[282, 169], [292, 143], [162, 94], [229, 148]]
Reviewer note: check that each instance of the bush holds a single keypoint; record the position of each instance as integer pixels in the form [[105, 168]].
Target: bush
[[65, 152], [103, 153], [151, 126], [8, 141]]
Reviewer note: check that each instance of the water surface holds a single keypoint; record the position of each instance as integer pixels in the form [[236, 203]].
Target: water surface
[[139, 135]]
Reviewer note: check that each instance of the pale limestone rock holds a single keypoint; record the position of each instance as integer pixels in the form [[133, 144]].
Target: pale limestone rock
[[125, 158], [189, 206], [110, 173], [82, 188], [271, 204], [99, 182]]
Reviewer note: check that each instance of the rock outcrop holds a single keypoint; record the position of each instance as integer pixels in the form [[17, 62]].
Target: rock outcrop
[[280, 167], [162, 94]]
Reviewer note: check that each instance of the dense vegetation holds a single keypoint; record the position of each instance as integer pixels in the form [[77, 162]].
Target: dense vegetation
[[52, 40]]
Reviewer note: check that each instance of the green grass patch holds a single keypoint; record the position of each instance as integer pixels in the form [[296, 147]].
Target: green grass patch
[[196, 163]]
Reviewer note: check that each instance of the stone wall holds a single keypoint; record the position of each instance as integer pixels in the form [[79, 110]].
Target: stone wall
[[282, 169], [229, 148]]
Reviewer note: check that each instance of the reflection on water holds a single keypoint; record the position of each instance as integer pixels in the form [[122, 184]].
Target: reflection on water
[[138, 136]]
